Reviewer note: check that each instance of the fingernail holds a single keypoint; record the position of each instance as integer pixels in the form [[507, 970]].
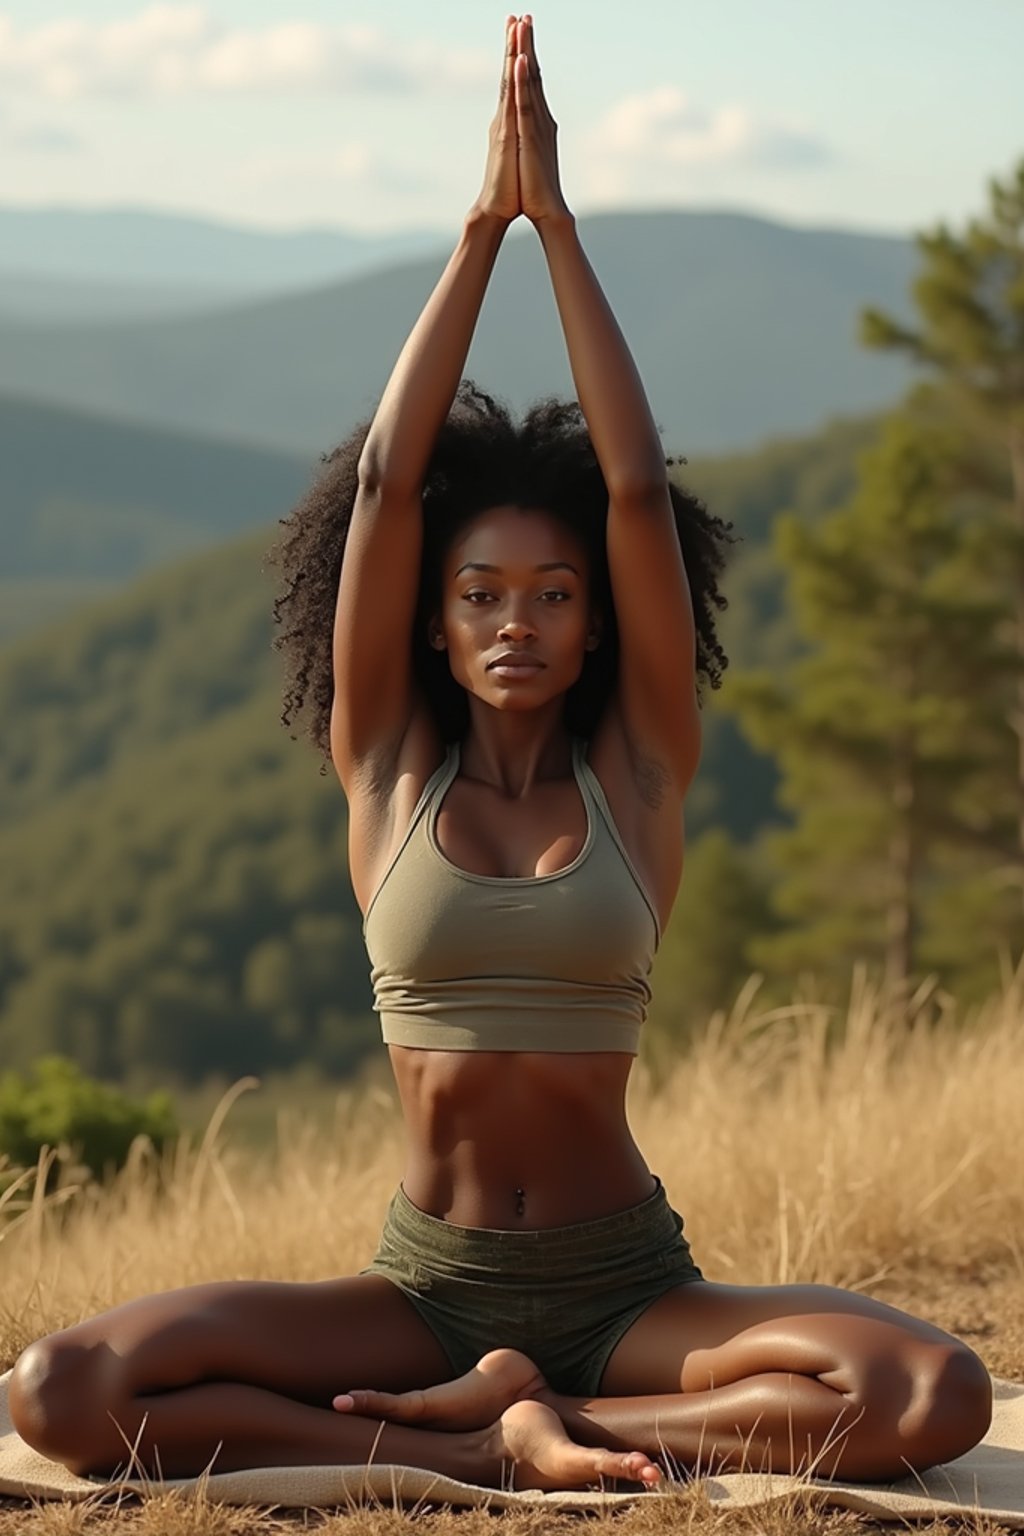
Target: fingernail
[[344, 1400]]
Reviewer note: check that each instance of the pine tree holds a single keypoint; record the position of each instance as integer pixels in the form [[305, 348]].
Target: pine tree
[[702, 962], [970, 297], [884, 728]]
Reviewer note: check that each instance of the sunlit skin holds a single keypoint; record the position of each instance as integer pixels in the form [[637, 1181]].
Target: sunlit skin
[[533, 599]]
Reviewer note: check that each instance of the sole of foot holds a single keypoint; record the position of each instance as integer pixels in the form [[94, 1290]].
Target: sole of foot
[[537, 1453]]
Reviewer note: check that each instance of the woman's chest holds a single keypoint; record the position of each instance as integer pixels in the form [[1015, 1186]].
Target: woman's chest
[[482, 833], [433, 924]]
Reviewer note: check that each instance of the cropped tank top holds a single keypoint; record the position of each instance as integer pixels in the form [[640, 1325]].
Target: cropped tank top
[[467, 962]]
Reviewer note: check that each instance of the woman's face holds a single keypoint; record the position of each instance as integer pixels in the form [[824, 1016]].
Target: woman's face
[[516, 585]]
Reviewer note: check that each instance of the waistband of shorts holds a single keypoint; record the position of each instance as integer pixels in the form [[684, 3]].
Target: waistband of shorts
[[605, 1237]]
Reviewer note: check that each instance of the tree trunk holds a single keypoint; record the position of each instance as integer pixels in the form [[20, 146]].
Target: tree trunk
[[899, 958], [1017, 465]]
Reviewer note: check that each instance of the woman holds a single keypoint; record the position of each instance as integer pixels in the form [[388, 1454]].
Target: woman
[[511, 706]]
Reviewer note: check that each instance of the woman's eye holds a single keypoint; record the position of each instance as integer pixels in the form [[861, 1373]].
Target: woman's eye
[[477, 597]]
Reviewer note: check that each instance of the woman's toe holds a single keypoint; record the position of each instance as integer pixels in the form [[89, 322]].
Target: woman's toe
[[632, 1466]]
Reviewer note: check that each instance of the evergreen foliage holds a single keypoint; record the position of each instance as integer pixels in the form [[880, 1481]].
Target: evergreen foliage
[[891, 731], [705, 957], [89, 504], [56, 1106], [969, 294]]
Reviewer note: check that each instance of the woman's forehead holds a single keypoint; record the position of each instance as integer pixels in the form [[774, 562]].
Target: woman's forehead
[[517, 536]]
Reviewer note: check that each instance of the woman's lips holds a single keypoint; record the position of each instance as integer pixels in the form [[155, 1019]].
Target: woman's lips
[[516, 667]]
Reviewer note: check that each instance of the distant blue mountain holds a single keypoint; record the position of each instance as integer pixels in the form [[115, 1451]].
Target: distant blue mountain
[[742, 329], [158, 249], [48, 300]]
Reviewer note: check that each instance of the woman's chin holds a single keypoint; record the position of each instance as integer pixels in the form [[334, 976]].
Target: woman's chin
[[517, 703]]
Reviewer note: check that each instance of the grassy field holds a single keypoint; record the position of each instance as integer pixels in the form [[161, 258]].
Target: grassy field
[[879, 1150]]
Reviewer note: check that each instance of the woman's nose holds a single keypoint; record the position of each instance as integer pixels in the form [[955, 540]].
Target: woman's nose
[[515, 628]]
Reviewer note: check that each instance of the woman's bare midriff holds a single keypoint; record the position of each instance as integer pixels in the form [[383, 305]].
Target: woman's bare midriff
[[518, 1140]]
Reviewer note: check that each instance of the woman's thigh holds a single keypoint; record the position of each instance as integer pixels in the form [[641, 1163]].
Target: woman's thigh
[[307, 1341], [705, 1334]]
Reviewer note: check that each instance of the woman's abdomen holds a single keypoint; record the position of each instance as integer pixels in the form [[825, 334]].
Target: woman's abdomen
[[514, 1140]]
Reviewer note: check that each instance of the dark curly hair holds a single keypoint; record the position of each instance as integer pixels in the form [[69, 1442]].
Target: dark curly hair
[[481, 459]]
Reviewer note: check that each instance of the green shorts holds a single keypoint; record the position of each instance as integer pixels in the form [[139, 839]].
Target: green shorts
[[563, 1295]]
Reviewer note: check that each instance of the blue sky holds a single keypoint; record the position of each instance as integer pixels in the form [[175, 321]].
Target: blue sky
[[885, 115]]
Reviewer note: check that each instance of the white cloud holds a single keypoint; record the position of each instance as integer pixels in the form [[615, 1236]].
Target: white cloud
[[355, 166], [644, 138], [174, 49]]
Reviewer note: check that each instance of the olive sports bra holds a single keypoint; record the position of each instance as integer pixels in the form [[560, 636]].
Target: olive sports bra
[[467, 962]]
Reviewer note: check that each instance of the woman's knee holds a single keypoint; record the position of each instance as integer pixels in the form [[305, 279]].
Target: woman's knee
[[952, 1408], [926, 1405], [57, 1388]]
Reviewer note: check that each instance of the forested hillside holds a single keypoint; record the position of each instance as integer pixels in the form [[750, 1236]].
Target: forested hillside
[[177, 892], [88, 503]]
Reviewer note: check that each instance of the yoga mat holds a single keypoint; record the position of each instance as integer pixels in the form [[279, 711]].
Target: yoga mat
[[989, 1478]]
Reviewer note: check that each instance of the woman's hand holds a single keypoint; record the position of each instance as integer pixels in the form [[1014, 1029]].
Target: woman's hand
[[500, 194], [540, 190]]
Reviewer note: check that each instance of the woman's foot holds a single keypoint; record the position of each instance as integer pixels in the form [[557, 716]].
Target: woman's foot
[[472, 1401], [534, 1451]]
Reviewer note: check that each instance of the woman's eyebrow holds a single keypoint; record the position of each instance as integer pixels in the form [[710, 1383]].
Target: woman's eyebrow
[[551, 565]]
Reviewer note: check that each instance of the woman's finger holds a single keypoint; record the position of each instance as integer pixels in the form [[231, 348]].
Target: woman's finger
[[527, 45], [401, 1408], [508, 63], [524, 105], [511, 52]]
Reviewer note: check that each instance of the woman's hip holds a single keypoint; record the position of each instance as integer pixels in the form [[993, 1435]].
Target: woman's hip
[[533, 1269]]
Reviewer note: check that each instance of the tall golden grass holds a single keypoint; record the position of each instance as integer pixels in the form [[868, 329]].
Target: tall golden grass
[[879, 1149]]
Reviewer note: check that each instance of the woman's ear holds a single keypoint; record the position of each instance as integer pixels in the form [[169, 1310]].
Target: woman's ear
[[594, 628], [435, 634]]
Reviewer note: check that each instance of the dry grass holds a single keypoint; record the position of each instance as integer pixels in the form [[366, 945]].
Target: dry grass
[[879, 1152]]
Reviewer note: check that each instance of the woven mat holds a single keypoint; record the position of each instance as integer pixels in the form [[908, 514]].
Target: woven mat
[[990, 1478]]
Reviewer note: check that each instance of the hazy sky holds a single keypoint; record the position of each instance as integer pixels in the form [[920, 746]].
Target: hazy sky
[[880, 115]]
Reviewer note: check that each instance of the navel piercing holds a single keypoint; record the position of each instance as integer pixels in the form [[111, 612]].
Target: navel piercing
[[520, 1202]]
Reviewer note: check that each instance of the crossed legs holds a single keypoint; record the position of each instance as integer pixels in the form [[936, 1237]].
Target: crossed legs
[[710, 1378], [783, 1378]]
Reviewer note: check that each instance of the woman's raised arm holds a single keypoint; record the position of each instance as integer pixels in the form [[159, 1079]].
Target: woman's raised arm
[[656, 692], [373, 684]]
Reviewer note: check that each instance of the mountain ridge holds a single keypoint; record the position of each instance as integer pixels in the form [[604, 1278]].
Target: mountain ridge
[[124, 242], [742, 329]]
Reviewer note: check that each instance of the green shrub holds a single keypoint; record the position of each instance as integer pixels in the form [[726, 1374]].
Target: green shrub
[[59, 1106]]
